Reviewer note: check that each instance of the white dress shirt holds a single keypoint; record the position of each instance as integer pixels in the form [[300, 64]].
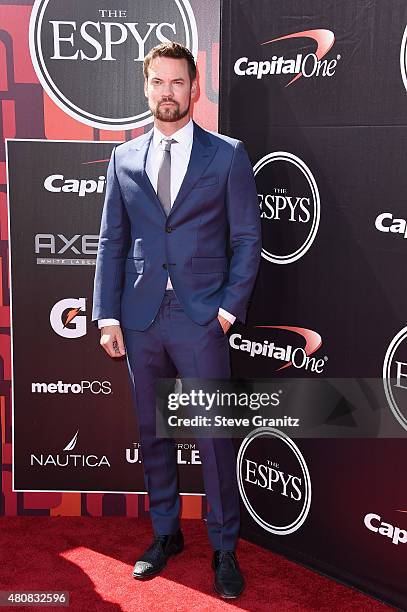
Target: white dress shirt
[[180, 154]]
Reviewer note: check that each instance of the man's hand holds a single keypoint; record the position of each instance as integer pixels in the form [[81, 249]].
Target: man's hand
[[111, 340], [224, 323]]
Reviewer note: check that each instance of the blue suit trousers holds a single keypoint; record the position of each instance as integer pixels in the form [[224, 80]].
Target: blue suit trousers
[[173, 344]]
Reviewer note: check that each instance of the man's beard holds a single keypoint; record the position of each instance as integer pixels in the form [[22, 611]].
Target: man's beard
[[169, 114]]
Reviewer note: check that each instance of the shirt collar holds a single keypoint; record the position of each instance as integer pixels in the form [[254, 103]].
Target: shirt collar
[[183, 136]]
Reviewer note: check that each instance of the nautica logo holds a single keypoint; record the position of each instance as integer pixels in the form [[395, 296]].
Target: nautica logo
[[69, 460], [71, 445]]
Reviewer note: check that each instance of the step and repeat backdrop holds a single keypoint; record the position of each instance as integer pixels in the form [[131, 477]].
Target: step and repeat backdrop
[[71, 87], [317, 91]]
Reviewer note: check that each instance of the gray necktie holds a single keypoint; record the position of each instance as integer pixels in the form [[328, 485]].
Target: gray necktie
[[164, 176]]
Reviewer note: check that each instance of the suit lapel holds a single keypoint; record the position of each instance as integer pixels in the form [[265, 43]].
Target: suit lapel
[[139, 152], [201, 155]]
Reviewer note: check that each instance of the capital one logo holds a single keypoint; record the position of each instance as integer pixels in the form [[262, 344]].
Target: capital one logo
[[68, 318], [374, 523], [395, 376], [298, 357], [307, 66], [387, 223], [89, 58], [56, 183], [290, 206], [274, 481]]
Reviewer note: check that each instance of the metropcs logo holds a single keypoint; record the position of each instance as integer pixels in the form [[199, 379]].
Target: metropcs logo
[[298, 357], [395, 376], [68, 318], [309, 65], [290, 206], [68, 459], [274, 481], [84, 386], [89, 59]]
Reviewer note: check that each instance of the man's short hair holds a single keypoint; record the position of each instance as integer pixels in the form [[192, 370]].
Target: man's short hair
[[174, 50]]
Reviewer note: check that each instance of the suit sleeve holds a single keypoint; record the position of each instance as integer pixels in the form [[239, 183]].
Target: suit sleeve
[[244, 234], [114, 242]]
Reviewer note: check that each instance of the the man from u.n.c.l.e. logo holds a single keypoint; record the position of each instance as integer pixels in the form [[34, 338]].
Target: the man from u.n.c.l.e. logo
[[166, 290]]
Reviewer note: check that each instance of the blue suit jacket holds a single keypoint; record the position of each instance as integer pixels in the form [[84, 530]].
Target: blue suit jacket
[[209, 244]]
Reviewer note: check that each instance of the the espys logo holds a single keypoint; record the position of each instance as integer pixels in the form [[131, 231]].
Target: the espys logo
[[274, 481], [395, 376], [68, 459], [403, 58], [298, 357], [307, 66], [290, 206], [89, 59], [68, 318]]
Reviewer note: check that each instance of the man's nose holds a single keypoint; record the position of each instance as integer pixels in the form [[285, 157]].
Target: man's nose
[[167, 89]]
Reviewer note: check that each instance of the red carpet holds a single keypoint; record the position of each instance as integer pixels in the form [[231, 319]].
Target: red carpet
[[92, 558]]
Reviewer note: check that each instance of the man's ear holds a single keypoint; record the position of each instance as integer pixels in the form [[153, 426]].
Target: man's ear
[[145, 88], [194, 88]]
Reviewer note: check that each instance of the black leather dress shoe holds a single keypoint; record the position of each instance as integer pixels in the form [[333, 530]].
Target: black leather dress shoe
[[229, 581], [155, 557]]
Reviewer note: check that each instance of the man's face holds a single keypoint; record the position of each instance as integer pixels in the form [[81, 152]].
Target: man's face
[[169, 89]]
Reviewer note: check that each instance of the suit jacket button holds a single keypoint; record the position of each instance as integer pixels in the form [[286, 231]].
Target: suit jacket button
[[168, 229], [165, 266]]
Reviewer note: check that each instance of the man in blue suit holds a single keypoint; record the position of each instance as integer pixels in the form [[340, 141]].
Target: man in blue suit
[[166, 290]]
